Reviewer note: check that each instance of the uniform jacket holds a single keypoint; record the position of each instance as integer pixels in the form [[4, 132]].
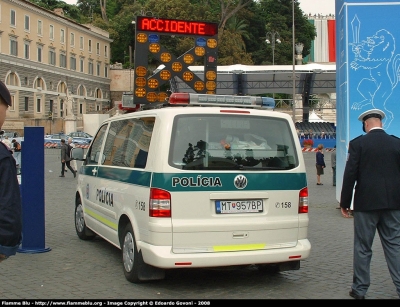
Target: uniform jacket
[[373, 168], [10, 204]]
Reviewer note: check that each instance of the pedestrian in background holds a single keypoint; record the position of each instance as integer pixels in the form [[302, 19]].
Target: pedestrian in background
[[10, 198], [73, 162], [375, 176], [16, 148], [7, 141], [333, 164], [65, 159], [320, 163]]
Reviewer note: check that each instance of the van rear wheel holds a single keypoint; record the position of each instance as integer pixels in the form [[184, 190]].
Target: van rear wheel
[[130, 255], [135, 269]]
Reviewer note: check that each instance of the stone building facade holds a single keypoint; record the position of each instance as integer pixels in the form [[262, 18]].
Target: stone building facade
[[46, 60]]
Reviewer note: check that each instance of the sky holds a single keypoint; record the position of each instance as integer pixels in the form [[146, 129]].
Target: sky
[[324, 7]]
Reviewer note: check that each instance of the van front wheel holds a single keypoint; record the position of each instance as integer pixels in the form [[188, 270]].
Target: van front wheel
[[82, 231]]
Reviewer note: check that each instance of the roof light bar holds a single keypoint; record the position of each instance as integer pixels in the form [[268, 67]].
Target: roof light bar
[[221, 100]]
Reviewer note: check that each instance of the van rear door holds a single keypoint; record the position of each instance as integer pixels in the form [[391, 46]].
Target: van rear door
[[236, 185]]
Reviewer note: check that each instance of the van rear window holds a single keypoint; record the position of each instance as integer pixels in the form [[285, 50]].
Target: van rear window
[[229, 142]]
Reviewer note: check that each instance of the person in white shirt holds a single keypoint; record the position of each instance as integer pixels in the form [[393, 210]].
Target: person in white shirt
[[73, 162], [7, 141]]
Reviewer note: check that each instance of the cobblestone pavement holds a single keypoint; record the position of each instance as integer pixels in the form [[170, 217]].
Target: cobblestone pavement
[[75, 269]]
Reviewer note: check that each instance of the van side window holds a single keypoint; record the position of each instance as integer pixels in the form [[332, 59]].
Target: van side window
[[128, 142], [93, 156]]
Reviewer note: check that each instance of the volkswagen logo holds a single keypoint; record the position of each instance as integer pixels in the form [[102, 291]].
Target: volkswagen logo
[[240, 182]]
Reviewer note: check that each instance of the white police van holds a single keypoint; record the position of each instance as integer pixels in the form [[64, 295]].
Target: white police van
[[219, 184]]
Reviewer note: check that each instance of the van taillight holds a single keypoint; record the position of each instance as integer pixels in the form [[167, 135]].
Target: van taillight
[[160, 203], [303, 200]]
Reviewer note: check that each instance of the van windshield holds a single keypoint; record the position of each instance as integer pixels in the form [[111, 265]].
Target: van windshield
[[232, 142]]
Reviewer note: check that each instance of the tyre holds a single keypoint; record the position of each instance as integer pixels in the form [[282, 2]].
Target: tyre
[[82, 231], [130, 255], [135, 269]]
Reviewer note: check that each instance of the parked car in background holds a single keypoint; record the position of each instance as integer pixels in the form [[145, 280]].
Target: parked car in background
[[54, 140], [80, 135]]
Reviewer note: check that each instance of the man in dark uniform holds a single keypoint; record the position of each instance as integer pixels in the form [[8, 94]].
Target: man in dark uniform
[[10, 198], [373, 170]]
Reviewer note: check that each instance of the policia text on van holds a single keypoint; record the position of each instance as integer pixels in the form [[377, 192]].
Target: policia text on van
[[185, 186]]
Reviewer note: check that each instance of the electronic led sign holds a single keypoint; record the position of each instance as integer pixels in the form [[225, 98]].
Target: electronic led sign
[[148, 84], [175, 26]]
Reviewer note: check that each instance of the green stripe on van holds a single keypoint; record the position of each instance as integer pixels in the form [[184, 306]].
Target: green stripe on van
[[125, 175], [225, 182], [186, 182]]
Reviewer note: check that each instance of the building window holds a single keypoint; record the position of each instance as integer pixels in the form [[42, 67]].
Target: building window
[[90, 69], [26, 49], [39, 84], [51, 31], [38, 105], [81, 64], [98, 68], [51, 106], [61, 108], [81, 91], [52, 56], [72, 63], [26, 23], [106, 71], [13, 46], [12, 79], [39, 27], [81, 42], [63, 60], [12, 107], [106, 51], [80, 108], [98, 48], [26, 107], [39, 53], [72, 39], [13, 18], [90, 45], [98, 93], [62, 36]]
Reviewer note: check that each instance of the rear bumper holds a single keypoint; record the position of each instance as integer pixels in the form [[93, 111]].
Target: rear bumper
[[162, 256]]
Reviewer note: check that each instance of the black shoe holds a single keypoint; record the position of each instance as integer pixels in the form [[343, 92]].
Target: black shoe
[[319, 184], [74, 174], [61, 176], [357, 297]]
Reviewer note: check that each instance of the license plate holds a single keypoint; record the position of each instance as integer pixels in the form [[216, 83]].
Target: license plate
[[239, 206]]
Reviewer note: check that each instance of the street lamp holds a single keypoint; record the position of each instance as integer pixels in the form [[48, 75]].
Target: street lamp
[[299, 50], [271, 38], [294, 66]]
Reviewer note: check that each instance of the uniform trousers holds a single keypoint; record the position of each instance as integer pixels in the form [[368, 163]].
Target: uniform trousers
[[366, 223]]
